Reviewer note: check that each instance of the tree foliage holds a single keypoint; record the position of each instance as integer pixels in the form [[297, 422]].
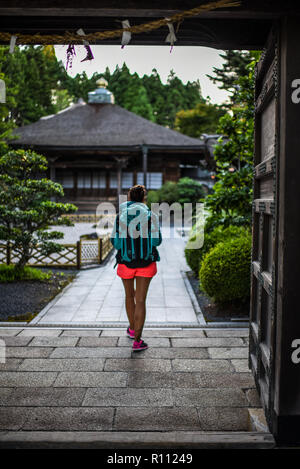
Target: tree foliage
[[234, 66], [186, 190], [230, 202], [30, 76], [26, 208], [40, 85], [202, 119]]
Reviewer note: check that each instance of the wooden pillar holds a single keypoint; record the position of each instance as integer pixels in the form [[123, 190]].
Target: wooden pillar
[[286, 418], [119, 177], [53, 177], [145, 164], [52, 173], [107, 182]]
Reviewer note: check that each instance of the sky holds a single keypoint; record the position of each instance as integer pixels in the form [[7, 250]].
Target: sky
[[189, 63]]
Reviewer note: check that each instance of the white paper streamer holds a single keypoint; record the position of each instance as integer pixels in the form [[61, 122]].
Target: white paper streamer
[[126, 36], [171, 38], [80, 32], [12, 44]]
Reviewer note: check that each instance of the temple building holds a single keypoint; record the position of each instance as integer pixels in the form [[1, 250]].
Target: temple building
[[98, 149]]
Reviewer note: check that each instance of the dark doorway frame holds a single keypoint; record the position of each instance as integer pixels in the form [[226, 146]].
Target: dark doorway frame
[[244, 27]]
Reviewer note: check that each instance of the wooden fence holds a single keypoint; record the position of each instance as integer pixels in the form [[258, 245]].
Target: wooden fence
[[83, 217], [87, 217], [84, 252]]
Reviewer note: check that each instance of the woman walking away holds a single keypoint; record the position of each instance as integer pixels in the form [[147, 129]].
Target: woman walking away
[[135, 235]]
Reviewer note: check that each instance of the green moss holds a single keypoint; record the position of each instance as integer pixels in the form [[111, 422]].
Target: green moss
[[11, 273]]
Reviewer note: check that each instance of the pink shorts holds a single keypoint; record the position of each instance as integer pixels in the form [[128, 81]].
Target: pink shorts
[[126, 272]]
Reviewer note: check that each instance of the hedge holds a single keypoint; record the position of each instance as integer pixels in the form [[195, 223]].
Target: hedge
[[225, 271], [194, 257]]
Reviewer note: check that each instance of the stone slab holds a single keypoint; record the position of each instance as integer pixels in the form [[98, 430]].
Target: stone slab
[[66, 418], [240, 365], [12, 418], [229, 419], [91, 379], [4, 395], [207, 342], [39, 332], [81, 333], [63, 364], [26, 379], [97, 341], [16, 341], [150, 379], [133, 397], [131, 364], [11, 364], [225, 332], [214, 379], [201, 365], [48, 397], [28, 352], [228, 352], [156, 419], [209, 397], [91, 352], [173, 353], [54, 342]]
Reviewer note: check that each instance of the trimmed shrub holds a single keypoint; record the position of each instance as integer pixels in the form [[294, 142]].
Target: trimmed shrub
[[194, 257], [225, 271]]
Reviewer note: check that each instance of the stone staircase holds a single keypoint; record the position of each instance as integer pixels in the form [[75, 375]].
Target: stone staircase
[[85, 388]]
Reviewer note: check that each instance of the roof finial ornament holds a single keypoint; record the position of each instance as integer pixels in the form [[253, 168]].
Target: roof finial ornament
[[101, 95], [102, 83]]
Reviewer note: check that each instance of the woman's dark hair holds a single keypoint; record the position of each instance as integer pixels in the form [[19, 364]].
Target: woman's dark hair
[[137, 193]]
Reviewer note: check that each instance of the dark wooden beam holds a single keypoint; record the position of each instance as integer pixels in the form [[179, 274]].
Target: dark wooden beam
[[243, 27], [147, 8]]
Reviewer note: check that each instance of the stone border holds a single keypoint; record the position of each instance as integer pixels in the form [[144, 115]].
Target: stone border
[[196, 306], [137, 440], [199, 314]]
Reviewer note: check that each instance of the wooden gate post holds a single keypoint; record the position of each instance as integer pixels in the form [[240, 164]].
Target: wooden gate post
[[8, 253], [78, 254], [100, 249], [286, 418]]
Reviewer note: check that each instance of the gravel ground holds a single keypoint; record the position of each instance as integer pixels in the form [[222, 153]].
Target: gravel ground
[[213, 312], [73, 233], [21, 301]]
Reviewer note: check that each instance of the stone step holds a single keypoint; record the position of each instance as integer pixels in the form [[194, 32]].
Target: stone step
[[137, 440]]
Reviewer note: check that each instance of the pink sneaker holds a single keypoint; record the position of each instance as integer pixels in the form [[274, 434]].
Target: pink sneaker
[[130, 332], [137, 346]]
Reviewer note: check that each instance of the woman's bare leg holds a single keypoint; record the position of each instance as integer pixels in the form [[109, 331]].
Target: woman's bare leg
[[129, 299], [142, 284]]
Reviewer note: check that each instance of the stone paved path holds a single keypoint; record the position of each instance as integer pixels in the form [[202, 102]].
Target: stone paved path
[[89, 380], [96, 296]]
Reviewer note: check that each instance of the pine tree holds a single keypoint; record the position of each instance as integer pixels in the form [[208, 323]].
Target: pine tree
[[234, 67]]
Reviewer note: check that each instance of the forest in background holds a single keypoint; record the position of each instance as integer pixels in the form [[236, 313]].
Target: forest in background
[[37, 84]]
